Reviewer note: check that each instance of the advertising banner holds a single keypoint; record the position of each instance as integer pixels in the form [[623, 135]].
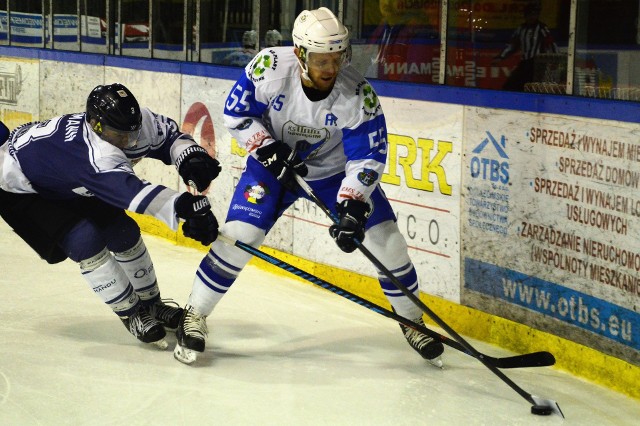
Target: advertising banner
[[551, 215]]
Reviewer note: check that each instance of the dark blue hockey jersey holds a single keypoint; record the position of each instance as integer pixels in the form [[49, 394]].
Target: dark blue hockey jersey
[[63, 158]]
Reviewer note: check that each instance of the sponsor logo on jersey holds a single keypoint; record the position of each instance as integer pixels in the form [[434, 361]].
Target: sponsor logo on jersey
[[255, 193], [309, 140], [371, 103], [261, 63], [368, 177]]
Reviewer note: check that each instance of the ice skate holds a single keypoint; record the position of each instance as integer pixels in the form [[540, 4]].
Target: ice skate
[[191, 333], [145, 328], [166, 312], [426, 346]]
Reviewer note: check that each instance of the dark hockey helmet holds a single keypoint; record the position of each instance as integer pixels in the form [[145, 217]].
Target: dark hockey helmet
[[116, 114]]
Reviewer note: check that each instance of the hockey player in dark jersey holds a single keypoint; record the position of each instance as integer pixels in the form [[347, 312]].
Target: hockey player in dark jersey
[[65, 184], [305, 110]]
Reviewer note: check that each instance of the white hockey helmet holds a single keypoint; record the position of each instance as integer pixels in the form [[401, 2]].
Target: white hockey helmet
[[272, 38], [250, 39], [320, 31]]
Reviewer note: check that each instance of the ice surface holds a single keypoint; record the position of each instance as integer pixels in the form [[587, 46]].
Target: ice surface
[[279, 353]]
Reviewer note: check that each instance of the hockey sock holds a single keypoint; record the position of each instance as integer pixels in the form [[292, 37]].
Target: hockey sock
[[136, 263], [109, 281], [385, 242], [401, 303], [212, 280]]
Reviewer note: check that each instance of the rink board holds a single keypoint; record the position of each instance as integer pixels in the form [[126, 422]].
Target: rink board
[[462, 181]]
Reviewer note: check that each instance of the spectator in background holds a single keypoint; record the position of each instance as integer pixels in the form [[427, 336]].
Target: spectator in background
[[272, 38], [531, 38], [244, 55]]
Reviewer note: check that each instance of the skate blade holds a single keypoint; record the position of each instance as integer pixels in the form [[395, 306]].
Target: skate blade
[[436, 362], [185, 355], [160, 344]]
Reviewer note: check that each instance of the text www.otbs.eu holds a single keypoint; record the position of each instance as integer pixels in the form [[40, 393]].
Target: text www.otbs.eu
[[573, 309]]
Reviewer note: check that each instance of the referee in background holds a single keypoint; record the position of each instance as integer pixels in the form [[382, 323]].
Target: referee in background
[[532, 38]]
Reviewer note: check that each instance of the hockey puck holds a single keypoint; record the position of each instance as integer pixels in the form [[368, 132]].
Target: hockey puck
[[541, 410]]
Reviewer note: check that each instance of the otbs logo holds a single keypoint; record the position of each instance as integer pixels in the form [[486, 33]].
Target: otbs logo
[[486, 168]]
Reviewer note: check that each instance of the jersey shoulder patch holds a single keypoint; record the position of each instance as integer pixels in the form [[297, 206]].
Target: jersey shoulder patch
[[364, 106], [270, 64]]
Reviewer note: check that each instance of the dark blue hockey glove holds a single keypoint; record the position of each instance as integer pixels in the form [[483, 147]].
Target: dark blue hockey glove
[[197, 168], [349, 232], [282, 162]]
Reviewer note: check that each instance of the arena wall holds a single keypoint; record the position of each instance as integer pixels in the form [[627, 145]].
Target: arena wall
[[521, 214]]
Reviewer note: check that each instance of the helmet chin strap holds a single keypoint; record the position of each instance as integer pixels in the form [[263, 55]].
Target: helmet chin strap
[[304, 69]]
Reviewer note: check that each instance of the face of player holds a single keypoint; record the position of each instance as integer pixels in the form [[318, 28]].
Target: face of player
[[324, 68], [118, 138]]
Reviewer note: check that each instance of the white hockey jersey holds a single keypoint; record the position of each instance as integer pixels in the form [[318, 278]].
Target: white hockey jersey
[[63, 158], [345, 132]]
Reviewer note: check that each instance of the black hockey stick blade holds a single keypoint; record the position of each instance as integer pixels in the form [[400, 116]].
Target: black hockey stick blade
[[536, 359], [459, 339]]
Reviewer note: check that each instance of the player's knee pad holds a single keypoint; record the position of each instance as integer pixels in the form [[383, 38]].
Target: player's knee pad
[[94, 262], [122, 234], [83, 241], [387, 244], [133, 252]]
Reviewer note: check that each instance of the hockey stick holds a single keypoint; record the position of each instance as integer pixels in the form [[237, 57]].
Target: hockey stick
[[536, 359], [539, 405]]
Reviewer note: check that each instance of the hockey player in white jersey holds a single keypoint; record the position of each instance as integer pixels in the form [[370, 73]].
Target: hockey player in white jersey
[[305, 110], [65, 184]]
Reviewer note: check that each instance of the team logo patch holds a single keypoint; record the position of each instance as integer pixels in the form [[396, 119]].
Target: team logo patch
[[368, 177], [371, 103], [256, 192], [263, 62]]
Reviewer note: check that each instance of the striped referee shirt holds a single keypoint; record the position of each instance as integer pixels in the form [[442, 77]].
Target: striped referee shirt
[[531, 40]]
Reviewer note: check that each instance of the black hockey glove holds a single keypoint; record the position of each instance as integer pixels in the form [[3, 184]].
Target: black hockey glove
[[283, 162], [353, 215], [200, 224], [197, 168]]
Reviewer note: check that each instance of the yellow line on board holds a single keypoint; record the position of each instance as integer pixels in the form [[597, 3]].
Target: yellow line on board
[[572, 357]]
